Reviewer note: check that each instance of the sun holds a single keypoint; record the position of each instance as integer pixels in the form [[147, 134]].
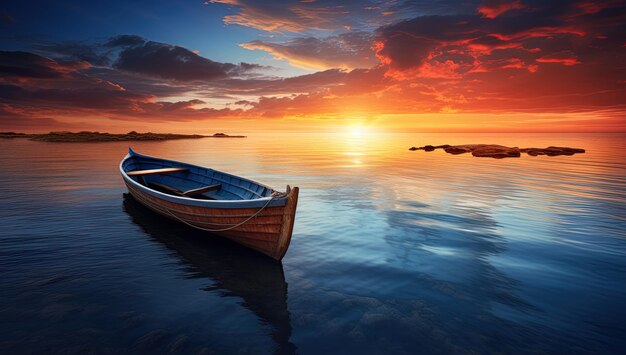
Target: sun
[[357, 131]]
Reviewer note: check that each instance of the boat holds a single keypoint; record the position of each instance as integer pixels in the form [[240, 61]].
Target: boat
[[244, 211]]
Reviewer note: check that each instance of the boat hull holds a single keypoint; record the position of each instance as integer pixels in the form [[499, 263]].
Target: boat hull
[[266, 228]]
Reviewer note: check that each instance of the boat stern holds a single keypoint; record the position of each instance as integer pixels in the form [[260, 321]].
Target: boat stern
[[289, 218]]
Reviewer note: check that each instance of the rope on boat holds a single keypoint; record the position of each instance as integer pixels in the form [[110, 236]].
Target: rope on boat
[[274, 195]]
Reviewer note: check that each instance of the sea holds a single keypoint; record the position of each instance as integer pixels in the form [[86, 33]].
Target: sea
[[393, 251]]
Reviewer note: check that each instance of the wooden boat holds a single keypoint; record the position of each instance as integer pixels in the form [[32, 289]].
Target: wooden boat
[[242, 210]]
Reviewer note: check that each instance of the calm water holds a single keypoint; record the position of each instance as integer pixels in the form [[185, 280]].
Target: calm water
[[393, 251]]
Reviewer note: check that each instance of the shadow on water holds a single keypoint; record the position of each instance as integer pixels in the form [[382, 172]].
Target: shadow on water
[[235, 271]]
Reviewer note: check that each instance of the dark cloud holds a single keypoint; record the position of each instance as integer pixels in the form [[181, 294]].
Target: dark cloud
[[467, 43], [135, 82], [76, 51], [33, 86], [25, 65], [94, 97], [104, 102], [134, 54], [170, 62]]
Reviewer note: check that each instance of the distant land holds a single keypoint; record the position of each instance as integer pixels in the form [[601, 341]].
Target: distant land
[[500, 151], [86, 136]]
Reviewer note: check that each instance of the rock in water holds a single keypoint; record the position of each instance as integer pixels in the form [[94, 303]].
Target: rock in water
[[500, 151], [460, 149], [552, 151], [496, 151], [430, 148]]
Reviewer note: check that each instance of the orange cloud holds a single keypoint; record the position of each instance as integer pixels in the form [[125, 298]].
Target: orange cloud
[[494, 8], [287, 17], [567, 59], [347, 51]]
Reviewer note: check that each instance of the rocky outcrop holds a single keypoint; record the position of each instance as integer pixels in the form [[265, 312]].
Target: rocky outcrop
[[430, 148], [499, 151], [552, 151], [224, 135]]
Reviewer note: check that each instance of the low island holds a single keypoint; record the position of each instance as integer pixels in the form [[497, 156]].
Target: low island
[[87, 136], [500, 151], [223, 135]]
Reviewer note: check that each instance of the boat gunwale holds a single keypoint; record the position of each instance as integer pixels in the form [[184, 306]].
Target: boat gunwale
[[247, 203]]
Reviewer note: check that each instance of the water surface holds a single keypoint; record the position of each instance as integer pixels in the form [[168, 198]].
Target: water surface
[[393, 251]]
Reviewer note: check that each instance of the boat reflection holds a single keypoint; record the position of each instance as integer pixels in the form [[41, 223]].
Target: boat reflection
[[234, 270]]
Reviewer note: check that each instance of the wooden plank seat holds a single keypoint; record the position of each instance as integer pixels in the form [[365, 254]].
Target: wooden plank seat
[[154, 171], [165, 188], [189, 193], [201, 190]]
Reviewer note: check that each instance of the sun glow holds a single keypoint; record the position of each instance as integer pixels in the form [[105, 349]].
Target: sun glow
[[357, 131]]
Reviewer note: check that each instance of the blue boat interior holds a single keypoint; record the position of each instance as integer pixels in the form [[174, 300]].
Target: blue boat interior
[[211, 184]]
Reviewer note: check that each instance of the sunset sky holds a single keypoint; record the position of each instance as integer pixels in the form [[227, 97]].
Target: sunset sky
[[243, 65]]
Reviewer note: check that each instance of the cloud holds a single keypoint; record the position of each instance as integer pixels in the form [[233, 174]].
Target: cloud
[[170, 62], [346, 51], [25, 65], [94, 97], [268, 16], [81, 51], [566, 58], [121, 95], [12, 119], [134, 54], [455, 46], [280, 86], [37, 86], [104, 101], [304, 16], [545, 57], [495, 8]]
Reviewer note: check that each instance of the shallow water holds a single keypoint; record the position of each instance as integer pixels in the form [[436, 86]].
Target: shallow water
[[393, 251]]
